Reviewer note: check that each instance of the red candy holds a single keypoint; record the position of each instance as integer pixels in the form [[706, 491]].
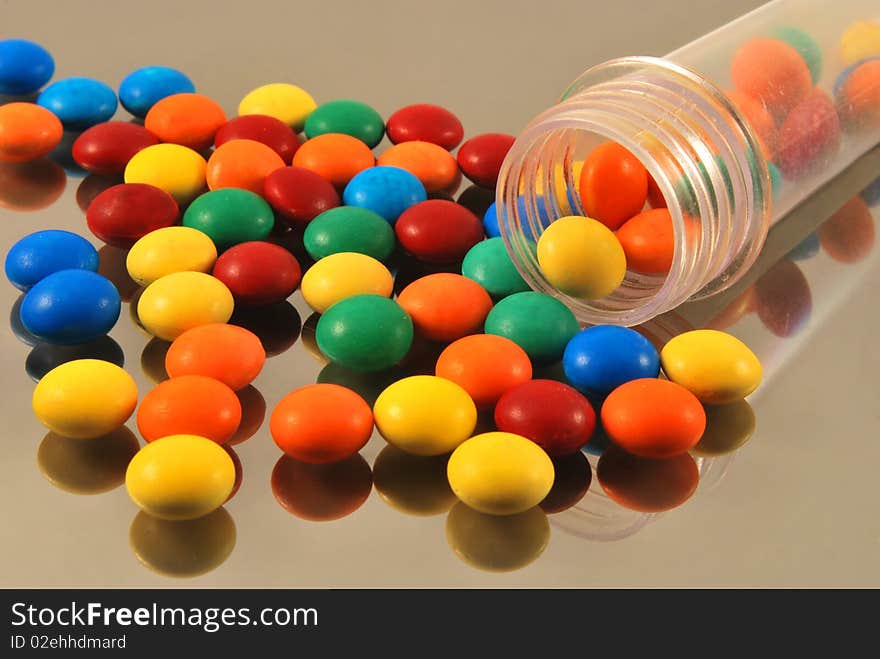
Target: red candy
[[438, 231], [123, 214], [270, 131], [299, 195], [106, 148], [553, 415], [258, 272], [425, 123], [480, 157], [809, 135]]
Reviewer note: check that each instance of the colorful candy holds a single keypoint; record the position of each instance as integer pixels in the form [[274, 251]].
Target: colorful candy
[[25, 66], [500, 473], [388, 191], [70, 306], [321, 423], [347, 118], [79, 102], [426, 123], [599, 359], [141, 89], [773, 72], [806, 47], [178, 170], [432, 164], [180, 477], [27, 132], [425, 415], [258, 272], [809, 136], [299, 195], [342, 275], [445, 306], [182, 300], [613, 184], [107, 148], [230, 216], [190, 120], [860, 41], [40, 254], [488, 263], [85, 398], [485, 366], [490, 222], [365, 333], [275, 134], [241, 164], [438, 231], [551, 414], [172, 249], [349, 229], [125, 213], [285, 102], [189, 404], [481, 156], [539, 324], [334, 157], [861, 95], [648, 241], [227, 353], [581, 257]]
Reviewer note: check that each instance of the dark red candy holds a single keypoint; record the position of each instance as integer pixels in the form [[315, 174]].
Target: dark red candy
[[270, 131], [124, 213], [299, 195], [480, 157], [809, 136], [425, 123], [438, 231], [258, 273], [106, 148], [555, 416]]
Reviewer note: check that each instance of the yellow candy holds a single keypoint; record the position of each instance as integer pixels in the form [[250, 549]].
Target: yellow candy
[[183, 300], [85, 398], [342, 275], [425, 415], [728, 427], [180, 477], [285, 102], [172, 249], [500, 473], [581, 257], [861, 40], [178, 170], [559, 183], [715, 366]]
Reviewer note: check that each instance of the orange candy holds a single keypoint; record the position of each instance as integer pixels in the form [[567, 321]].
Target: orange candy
[[187, 119], [484, 365], [613, 185], [653, 418], [861, 95], [227, 353], [760, 119], [27, 132], [189, 405], [433, 165], [242, 164], [772, 72], [648, 240], [848, 235], [335, 157], [445, 306], [321, 423]]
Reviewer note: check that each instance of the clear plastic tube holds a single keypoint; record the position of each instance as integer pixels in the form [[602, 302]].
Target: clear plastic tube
[[713, 140]]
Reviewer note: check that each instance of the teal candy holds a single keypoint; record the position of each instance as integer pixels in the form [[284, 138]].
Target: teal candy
[[539, 324], [230, 216], [349, 229], [349, 118], [489, 264], [805, 45]]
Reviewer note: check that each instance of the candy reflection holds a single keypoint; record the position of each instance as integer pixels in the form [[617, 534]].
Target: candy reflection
[[366, 385], [153, 359], [253, 412], [570, 484], [310, 343], [187, 548], [111, 264], [871, 194], [91, 186], [43, 357], [476, 199], [239, 472], [63, 155], [276, 325], [848, 235], [17, 327], [728, 427], [30, 186], [497, 543], [806, 249], [411, 484], [783, 299], [647, 485], [321, 493], [421, 359], [598, 518], [87, 466]]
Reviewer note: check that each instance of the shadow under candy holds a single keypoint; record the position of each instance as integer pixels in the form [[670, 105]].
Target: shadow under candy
[[253, 412], [278, 325], [17, 327], [647, 485], [43, 357]]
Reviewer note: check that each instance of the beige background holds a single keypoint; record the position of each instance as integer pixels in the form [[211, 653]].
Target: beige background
[[795, 507]]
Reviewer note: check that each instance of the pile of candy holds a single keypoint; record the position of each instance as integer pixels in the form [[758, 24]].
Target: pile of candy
[[209, 232]]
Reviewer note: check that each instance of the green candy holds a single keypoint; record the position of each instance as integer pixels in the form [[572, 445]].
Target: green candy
[[349, 229], [365, 333], [489, 264], [349, 118], [538, 323], [230, 216], [805, 45]]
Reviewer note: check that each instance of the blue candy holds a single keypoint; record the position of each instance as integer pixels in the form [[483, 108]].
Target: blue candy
[[39, 254], [490, 222], [541, 208], [599, 359], [806, 249], [142, 89], [70, 307], [25, 66], [45, 356], [79, 102], [387, 191]]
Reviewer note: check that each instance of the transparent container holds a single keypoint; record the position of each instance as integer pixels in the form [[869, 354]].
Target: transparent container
[[683, 117]]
